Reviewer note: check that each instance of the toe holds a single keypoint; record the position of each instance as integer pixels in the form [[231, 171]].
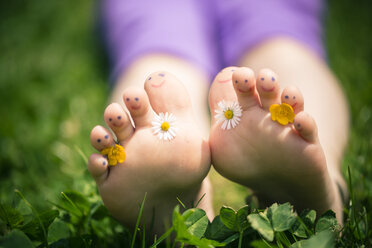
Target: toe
[[268, 87], [292, 95], [306, 127], [222, 88], [244, 83], [98, 167], [138, 105], [167, 93], [101, 138], [118, 120]]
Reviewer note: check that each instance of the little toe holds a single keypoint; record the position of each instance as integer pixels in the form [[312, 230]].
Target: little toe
[[244, 83], [167, 93], [138, 105], [118, 120], [98, 167], [268, 87], [222, 88], [292, 95], [101, 138], [306, 127]]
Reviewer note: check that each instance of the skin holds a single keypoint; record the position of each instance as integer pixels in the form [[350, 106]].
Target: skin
[[264, 155], [271, 182], [311, 74], [174, 173], [291, 95]]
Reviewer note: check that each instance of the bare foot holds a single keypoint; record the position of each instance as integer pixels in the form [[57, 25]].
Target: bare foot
[[279, 162], [165, 154]]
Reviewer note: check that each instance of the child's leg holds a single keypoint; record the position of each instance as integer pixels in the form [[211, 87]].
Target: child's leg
[[323, 95], [294, 60], [143, 37]]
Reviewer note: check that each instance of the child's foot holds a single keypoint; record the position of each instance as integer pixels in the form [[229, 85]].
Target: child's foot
[[279, 162], [165, 158]]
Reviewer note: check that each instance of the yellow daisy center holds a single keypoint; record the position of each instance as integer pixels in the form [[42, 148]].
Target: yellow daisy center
[[165, 126], [229, 114]]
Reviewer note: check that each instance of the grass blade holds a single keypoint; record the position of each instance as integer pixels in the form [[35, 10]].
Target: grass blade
[[36, 215], [162, 237], [138, 221], [201, 198]]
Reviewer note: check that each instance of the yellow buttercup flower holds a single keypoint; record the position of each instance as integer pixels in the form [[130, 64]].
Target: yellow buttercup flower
[[282, 113], [114, 154]]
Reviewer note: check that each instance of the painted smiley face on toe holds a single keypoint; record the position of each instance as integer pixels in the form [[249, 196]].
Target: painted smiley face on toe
[[267, 82], [100, 138], [292, 96], [157, 79], [225, 75], [244, 80], [136, 101], [114, 116]]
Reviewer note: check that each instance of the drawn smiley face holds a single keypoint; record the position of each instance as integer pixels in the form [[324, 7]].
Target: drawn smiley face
[[267, 81], [225, 75], [114, 115], [157, 79], [136, 101], [244, 80], [292, 96], [100, 138]]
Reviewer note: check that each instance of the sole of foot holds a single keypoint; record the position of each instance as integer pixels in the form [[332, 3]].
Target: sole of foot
[[281, 163], [165, 155]]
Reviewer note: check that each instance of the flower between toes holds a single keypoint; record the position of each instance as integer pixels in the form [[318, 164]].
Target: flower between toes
[[283, 113], [114, 154]]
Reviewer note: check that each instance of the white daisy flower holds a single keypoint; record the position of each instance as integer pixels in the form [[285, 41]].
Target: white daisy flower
[[164, 126], [229, 113]]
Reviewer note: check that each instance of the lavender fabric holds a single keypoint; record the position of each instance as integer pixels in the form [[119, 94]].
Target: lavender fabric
[[208, 33]]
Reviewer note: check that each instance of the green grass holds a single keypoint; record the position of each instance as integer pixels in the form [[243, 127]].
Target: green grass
[[53, 90]]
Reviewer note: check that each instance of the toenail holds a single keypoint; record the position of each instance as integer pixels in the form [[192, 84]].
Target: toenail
[[286, 97], [99, 140], [119, 117], [136, 99], [273, 79], [110, 119], [106, 136], [236, 81], [161, 74], [104, 163], [262, 79], [246, 81], [128, 99]]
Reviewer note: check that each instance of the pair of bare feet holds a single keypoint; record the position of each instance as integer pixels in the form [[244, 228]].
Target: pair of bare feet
[[280, 163]]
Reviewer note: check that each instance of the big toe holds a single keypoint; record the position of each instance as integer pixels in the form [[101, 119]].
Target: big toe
[[167, 94], [306, 127], [222, 89], [244, 83], [268, 88]]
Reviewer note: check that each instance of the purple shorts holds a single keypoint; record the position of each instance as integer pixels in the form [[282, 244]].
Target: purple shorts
[[209, 33]]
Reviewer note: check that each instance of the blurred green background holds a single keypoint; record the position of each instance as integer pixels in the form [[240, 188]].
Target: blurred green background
[[53, 90]]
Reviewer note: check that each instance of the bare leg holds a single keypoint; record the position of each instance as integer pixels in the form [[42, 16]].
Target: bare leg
[[197, 85], [194, 79], [180, 165], [281, 162], [323, 95]]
